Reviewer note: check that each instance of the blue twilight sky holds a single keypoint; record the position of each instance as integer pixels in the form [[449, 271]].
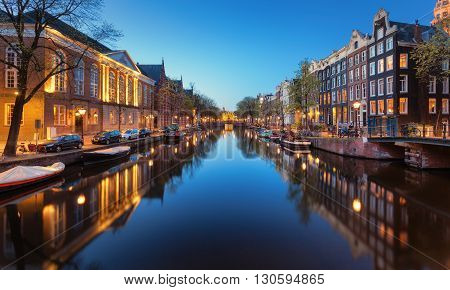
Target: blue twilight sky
[[236, 48]]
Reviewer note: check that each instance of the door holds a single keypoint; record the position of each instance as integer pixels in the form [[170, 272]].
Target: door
[[78, 123]]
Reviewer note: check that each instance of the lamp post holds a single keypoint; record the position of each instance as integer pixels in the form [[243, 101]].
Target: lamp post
[[82, 112], [356, 106]]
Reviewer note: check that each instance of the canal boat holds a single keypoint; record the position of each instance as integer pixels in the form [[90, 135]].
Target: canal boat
[[23, 176], [106, 155], [297, 146], [265, 134]]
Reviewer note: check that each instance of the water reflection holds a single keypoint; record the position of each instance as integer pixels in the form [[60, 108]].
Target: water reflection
[[45, 228], [255, 206], [398, 216]]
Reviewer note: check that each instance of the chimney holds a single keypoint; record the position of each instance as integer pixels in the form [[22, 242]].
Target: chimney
[[417, 32]]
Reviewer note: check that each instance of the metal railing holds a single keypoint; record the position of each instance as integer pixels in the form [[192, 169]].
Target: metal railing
[[409, 131]]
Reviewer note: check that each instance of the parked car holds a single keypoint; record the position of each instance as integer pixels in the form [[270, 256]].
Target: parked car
[[59, 143], [107, 137], [130, 134], [143, 133]]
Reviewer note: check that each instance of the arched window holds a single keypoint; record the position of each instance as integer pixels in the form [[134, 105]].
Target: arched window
[[79, 79], [356, 45], [10, 71], [112, 87], [139, 93], [94, 81], [122, 97], [60, 78], [130, 91]]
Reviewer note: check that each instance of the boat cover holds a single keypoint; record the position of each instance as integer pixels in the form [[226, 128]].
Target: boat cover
[[21, 173], [111, 151]]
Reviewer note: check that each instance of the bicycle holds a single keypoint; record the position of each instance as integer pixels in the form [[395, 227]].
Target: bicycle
[[410, 130]]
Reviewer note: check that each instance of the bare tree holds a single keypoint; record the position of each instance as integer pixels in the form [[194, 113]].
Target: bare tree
[[28, 26]]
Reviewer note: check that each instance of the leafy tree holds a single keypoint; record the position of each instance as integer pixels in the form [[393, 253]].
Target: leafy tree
[[303, 89], [248, 107], [34, 69]]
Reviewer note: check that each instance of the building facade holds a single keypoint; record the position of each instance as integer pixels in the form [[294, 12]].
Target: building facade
[[441, 11]]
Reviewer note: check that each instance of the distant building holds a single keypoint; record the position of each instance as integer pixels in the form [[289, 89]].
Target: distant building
[[441, 11]]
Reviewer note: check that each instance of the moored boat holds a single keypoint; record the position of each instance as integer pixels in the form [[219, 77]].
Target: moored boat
[[298, 146], [106, 155], [24, 176]]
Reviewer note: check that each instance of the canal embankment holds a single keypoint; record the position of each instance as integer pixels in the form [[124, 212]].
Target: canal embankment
[[358, 148], [69, 157]]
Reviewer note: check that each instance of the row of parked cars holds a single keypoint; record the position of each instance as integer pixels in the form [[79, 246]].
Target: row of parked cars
[[74, 141]]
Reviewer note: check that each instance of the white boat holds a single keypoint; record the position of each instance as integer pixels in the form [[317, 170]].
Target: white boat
[[297, 146], [22, 176], [106, 154]]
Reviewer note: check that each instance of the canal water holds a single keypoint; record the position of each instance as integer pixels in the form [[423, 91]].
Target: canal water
[[227, 200]]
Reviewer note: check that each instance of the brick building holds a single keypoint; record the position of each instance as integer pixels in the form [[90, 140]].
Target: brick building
[[107, 86]]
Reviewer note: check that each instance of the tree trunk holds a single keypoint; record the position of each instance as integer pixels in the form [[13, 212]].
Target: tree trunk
[[13, 135]]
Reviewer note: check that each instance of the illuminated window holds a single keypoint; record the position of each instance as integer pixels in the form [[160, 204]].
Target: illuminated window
[[60, 77], [432, 105], [13, 59], [380, 107], [112, 118], [122, 96], [445, 106], [373, 108], [389, 63], [381, 65], [403, 106], [59, 115], [403, 60], [9, 109], [93, 116], [130, 91], [112, 87], [390, 106]]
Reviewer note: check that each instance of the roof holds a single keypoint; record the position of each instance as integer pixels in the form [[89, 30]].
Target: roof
[[189, 92], [405, 31], [124, 58], [153, 71], [71, 32]]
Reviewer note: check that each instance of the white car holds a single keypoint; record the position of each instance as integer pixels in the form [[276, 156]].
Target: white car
[[131, 134]]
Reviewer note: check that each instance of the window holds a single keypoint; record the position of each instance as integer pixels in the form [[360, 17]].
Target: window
[[112, 87], [403, 106], [344, 79], [380, 107], [432, 85], [10, 71], [122, 96], [79, 79], [389, 43], [350, 76], [60, 77], [94, 81], [59, 115], [372, 89], [372, 51], [380, 33], [363, 56], [145, 100], [373, 108], [338, 81], [9, 110], [403, 83], [357, 59], [390, 106], [93, 116], [364, 72], [357, 74], [445, 85], [389, 63], [343, 65], [338, 68], [358, 92], [351, 93], [350, 62], [130, 91], [112, 118], [130, 118], [373, 69], [139, 93], [333, 83], [389, 85], [380, 48], [403, 60], [381, 65], [445, 65], [381, 87], [432, 105], [363, 91], [445, 106]]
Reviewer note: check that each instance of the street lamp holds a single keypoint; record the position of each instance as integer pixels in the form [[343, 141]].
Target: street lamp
[[356, 106], [82, 112]]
